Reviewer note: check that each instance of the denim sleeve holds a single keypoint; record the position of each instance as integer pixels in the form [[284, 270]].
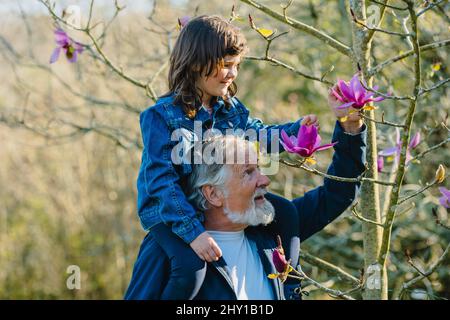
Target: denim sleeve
[[272, 131], [320, 206], [159, 183]]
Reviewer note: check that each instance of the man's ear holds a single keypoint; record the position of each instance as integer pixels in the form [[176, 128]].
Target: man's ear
[[213, 195]]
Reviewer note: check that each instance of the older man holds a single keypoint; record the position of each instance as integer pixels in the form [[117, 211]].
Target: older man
[[238, 217]]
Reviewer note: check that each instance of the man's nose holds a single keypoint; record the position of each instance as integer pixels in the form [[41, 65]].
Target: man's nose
[[263, 181]]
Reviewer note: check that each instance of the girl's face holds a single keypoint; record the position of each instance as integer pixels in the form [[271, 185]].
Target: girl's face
[[216, 85]]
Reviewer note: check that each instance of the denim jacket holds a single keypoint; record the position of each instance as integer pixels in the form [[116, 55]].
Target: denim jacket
[[160, 195]]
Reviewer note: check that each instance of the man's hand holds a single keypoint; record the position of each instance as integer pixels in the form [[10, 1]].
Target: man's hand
[[353, 122], [206, 248], [310, 119]]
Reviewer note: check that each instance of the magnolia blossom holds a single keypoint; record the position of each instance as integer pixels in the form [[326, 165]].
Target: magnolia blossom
[[395, 150], [70, 47], [445, 199], [380, 163], [353, 94], [306, 143]]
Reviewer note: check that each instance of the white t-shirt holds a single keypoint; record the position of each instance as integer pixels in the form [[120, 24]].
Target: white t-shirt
[[244, 265]]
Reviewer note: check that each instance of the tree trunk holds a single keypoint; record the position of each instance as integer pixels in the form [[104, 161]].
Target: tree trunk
[[375, 277]]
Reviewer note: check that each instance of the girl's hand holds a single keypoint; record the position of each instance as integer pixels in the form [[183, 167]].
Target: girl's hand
[[206, 247], [310, 119]]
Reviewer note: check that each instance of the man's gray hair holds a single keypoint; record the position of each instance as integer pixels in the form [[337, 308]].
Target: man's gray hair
[[218, 153]]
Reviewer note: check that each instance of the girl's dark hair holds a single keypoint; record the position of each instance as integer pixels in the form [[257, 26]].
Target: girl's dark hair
[[201, 46]]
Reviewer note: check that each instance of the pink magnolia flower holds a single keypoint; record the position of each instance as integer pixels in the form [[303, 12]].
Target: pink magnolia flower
[[306, 143], [70, 47], [353, 94], [279, 260], [380, 163], [395, 150], [445, 199]]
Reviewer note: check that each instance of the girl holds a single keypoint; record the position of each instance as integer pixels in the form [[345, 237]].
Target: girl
[[203, 66]]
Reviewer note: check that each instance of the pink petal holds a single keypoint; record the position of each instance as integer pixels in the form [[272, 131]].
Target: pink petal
[[445, 202], [325, 146], [337, 95], [380, 164], [377, 99], [358, 90], [55, 55], [445, 192], [346, 90], [287, 148], [304, 152], [318, 141], [73, 58], [408, 156], [415, 140], [389, 152], [61, 37], [307, 136], [345, 105], [286, 140]]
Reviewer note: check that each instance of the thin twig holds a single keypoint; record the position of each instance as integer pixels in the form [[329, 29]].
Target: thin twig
[[357, 215], [426, 274], [423, 48], [290, 68], [360, 178], [329, 40], [389, 6], [384, 122], [430, 6]]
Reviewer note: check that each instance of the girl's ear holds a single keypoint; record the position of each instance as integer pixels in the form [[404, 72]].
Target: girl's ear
[[213, 195]]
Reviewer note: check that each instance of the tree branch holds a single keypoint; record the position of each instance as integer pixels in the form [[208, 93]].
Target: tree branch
[[290, 68], [336, 178], [423, 48], [393, 201], [426, 274], [328, 267], [346, 50]]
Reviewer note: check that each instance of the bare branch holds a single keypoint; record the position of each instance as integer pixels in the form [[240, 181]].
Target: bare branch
[[392, 33], [290, 68], [346, 50], [389, 6], [423, 153], [437, 85], [427, 273], [329, 267], [336, 178], [394, 196], [384, 122], [421, 190], [431, 5], [423, 48], [357, 215]]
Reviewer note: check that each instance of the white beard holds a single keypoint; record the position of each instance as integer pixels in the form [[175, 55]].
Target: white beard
[[254, 215]]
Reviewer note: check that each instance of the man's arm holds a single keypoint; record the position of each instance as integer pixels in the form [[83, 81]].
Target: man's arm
[[320, 206]]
